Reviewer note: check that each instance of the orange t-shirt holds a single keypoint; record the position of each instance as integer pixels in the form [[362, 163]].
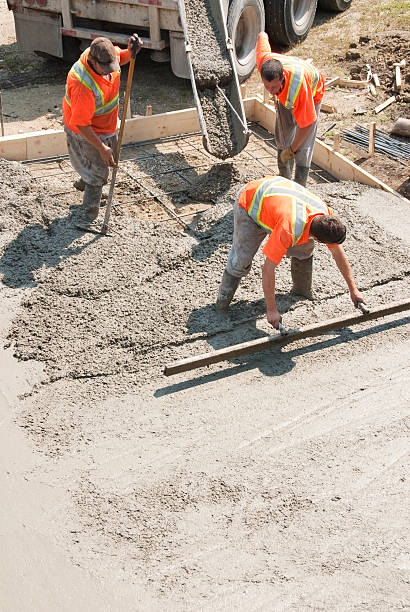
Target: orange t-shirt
[[304, 106], [277, 213], [82, 109]]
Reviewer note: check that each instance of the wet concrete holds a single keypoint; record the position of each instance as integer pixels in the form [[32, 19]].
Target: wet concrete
[[105, 306], [162, 484], [212, 69]]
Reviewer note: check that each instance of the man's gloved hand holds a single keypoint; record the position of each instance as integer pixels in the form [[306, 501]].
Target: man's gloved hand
[[134, 44], [286, 155]]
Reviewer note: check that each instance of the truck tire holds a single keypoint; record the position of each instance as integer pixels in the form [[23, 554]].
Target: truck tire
[[71, 49], [288, 21], [335, 5], [246, 18]]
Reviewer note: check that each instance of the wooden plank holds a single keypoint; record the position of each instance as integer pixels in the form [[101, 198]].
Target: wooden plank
[[336, 141], [398, 79], [384, 104], [159, 126], [372, 89], [47, 143], [327, 108], [376, 80], [14, 147], [261, 344], [372, 134], [344, 169], [56, 141], [332, 81], [352, 83]]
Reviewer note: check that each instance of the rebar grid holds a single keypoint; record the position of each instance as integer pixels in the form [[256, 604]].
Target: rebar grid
[[170, 149]]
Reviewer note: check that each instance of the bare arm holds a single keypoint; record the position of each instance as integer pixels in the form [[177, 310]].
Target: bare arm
[[342, 263], [107, 154], [268, 283]]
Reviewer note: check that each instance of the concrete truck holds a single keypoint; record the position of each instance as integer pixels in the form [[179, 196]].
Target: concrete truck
[[63, 28]]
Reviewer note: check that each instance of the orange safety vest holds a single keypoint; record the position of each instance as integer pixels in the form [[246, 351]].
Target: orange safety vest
[[100, 109], [297, 68], [273, 200], [81, 72]]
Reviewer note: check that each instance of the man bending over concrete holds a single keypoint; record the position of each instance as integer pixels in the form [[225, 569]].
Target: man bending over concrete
[[293, 218], [299, 88], [90, 110]]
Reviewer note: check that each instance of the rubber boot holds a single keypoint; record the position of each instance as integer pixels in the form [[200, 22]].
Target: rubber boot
[[227, 290], [91, 202], [285, 170], [301, 175], [79, 184], [301, 271]]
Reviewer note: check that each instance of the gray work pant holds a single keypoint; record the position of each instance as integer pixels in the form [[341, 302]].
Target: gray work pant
[[285, 130], [85, 158], [247, 238]]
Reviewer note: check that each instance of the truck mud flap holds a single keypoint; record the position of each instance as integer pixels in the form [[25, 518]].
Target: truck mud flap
[[36, 31], [213, 76]]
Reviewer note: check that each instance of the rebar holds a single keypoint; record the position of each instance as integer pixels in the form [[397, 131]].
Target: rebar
[[383, 143]]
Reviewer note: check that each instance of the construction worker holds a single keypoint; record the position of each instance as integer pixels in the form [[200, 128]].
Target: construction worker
[[294, 218], [299, 88], [90, 111]]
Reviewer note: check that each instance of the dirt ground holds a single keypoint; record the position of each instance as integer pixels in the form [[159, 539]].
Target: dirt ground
[[273, 482]]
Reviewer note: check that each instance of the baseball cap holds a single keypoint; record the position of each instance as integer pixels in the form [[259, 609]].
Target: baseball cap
[[102, 50]]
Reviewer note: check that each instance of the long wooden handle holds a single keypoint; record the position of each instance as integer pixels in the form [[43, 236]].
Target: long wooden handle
[[104, 228]]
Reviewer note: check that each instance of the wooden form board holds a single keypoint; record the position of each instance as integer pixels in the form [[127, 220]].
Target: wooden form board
[[49, 143]]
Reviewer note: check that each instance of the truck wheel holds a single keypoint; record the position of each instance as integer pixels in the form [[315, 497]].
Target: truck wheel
[[246, 18], [335, 5], [289, 21]]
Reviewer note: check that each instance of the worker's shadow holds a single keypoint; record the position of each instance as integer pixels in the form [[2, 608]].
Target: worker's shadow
[[275, 361], [237, 326], [38, 246]]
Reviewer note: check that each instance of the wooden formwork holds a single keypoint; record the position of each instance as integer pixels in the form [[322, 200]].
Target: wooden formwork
[[49, 143]]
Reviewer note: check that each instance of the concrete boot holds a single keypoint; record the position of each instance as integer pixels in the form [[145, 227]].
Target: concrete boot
[[227, 290], [91, 202], [301, 175], [79, 184], [285, 170], [301, 270]]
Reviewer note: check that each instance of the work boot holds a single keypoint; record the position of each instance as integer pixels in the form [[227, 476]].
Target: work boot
[[285, 170], [301, 175], [79, 184], [301, 271], [91, 202], [227, 290]]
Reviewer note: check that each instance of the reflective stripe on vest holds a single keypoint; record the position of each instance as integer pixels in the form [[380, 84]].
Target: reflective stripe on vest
[[80, 72], [298, 68], [279, 186]]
